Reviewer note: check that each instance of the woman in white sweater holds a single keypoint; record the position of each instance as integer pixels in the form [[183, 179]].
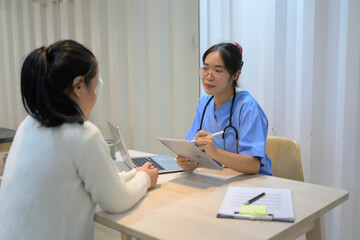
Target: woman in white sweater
[[59, 166]]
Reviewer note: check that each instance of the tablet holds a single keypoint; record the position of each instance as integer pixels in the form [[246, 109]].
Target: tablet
[[191, 151]]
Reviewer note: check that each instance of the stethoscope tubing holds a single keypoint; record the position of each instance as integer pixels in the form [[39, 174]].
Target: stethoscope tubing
[[228, 126]]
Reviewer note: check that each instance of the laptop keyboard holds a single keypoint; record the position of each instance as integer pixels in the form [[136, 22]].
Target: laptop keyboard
[[139, 161]]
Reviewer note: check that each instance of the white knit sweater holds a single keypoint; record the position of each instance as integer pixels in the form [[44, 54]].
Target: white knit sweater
[[53, 179]]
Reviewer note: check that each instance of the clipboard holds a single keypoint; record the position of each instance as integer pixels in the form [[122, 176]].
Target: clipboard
[[279, 203]]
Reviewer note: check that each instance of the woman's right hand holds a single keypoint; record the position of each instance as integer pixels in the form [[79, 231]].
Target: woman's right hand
[[186, 164], [151, 171]]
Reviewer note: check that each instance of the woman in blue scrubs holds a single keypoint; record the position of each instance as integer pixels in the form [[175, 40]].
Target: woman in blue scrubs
[[241, 146]]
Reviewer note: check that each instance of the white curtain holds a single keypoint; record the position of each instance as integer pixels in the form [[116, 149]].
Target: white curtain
[[147, 50], [301, 62]]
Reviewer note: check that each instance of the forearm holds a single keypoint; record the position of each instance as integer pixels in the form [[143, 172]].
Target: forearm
[[237, 162], [126, 176]]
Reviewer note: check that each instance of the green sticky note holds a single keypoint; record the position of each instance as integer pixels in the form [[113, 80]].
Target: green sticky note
[[253, 210]]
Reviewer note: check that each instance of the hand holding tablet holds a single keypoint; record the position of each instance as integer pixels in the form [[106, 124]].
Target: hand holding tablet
[[191, 151]]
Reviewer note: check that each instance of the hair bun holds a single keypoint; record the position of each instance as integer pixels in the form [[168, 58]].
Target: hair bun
[[47, 50], [239, 46]]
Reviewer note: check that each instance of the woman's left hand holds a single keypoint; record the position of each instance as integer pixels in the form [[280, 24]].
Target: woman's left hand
[[204, 140]]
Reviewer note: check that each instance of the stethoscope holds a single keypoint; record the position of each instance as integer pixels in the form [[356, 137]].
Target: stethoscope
[[228, 126]]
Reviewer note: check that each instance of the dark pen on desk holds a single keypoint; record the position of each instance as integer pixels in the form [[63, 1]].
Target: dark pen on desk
[[254, 199]]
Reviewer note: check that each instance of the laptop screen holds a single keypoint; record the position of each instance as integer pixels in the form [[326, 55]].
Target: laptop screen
[[120, 145]]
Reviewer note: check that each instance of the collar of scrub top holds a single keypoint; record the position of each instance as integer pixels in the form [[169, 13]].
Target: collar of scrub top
[[228, 126]]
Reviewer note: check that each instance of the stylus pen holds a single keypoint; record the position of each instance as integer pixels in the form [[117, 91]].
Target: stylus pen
[[255, 198], [214, 134]]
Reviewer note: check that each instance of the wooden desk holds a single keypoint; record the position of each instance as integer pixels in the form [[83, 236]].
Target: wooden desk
[[184, 206], [4, 148], [6, 137]]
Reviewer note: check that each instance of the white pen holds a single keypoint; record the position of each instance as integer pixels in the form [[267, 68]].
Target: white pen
[[214, 134]]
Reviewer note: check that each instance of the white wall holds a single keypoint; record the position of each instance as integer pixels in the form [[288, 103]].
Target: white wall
[[301, 62], [148, 55]]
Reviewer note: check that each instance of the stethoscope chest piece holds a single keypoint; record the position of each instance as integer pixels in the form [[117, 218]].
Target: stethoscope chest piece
[[228, 127]]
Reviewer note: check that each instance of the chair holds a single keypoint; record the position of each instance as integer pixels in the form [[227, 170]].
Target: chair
[[285, 157]]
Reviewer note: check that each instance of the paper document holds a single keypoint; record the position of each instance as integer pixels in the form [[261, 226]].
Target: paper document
[[279, 203]]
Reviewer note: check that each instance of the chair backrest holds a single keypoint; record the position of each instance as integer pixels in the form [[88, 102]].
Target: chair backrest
[[285, 157]]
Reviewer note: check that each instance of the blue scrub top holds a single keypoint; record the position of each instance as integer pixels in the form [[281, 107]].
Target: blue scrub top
[[248, 119]]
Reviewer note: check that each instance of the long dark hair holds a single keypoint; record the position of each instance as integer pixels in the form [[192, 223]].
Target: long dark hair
[[231, 55], [47, 77]]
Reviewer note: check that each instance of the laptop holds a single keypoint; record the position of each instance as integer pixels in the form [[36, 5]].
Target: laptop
[[164, 163]]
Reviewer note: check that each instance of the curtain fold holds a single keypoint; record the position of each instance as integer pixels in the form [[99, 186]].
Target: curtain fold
[[147, 53], [301, 62]]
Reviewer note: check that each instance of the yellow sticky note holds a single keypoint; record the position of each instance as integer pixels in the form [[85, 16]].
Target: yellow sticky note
[[253, 210]]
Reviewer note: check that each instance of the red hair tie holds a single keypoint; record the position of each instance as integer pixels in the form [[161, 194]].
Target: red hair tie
[[239, 46]]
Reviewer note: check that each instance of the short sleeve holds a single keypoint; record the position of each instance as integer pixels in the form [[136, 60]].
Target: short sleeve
[[253, 130]]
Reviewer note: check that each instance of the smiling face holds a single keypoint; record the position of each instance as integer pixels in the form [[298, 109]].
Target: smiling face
[[215, 78]]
